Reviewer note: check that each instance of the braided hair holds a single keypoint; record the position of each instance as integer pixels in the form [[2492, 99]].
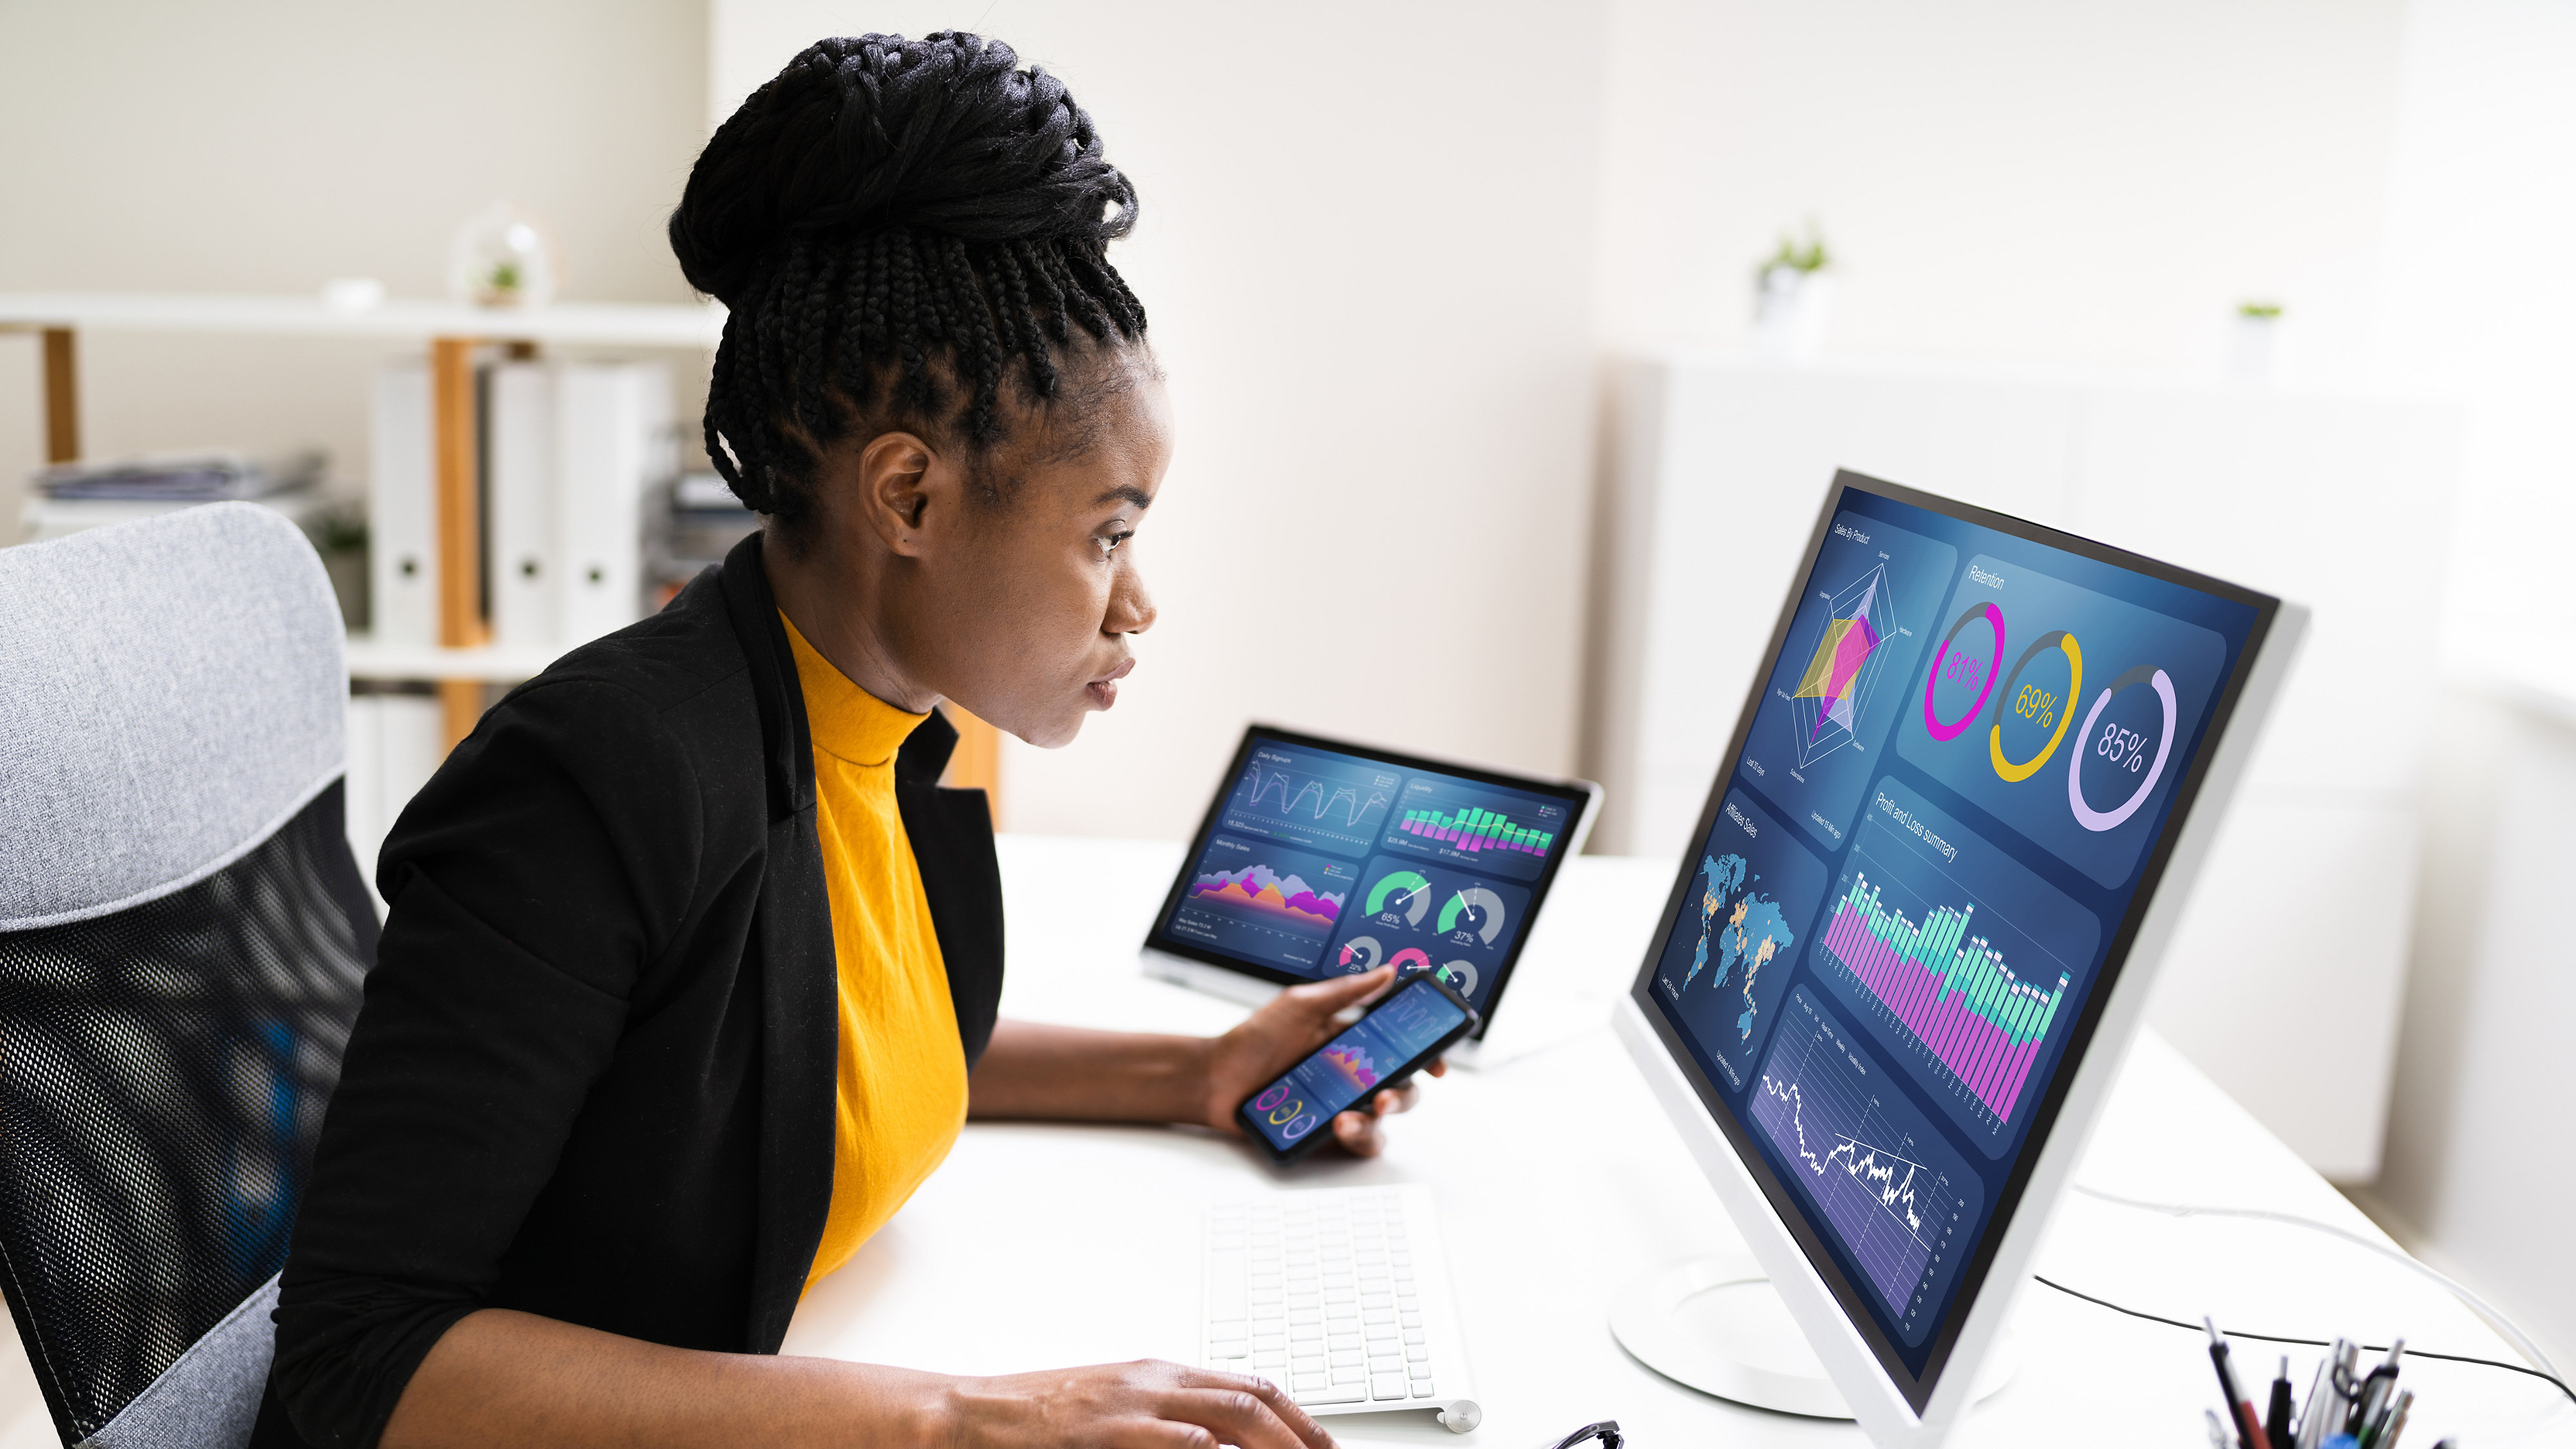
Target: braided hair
[[900, 229]]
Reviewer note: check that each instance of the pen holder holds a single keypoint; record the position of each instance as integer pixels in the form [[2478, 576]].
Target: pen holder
[[2347, 1406]]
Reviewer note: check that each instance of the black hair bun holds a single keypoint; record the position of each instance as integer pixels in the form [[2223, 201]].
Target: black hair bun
[[943, 134]]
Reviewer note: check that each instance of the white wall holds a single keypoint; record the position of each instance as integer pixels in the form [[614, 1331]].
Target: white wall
[[266, 145], [2074, 181], [1366, 246], [2477, 1162]]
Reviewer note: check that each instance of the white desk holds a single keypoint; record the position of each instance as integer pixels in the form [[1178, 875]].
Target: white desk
[[1558, 1180]]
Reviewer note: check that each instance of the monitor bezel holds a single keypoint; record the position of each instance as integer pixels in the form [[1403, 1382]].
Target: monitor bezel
[[1917, 1391], [1582, 795]]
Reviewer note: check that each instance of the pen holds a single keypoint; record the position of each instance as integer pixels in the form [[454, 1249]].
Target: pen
[[2375, 1391], [2312, 1418], [2276, 1424], [2383, 1435], [2239, 1407]]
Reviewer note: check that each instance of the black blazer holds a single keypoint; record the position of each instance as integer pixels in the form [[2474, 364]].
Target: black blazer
[[594, 1074]]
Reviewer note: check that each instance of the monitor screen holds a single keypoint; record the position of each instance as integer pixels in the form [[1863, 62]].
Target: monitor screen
[[1924, 857], [1352, 1065], [1321, 858]]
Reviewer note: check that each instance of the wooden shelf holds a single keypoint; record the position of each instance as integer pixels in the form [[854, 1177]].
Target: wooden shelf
[[601, 324]]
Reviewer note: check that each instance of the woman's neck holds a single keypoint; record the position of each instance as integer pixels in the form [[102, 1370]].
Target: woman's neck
[[838, 604]]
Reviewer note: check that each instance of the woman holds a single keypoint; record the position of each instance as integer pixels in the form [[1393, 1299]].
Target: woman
[[690, 974]]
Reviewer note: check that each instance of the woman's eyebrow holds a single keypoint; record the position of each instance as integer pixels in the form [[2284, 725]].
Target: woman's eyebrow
[[1129, 493]]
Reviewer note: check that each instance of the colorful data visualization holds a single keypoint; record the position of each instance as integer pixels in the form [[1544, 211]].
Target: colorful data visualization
[[2059, 709], [1362, 1058], [1957, 959], [1264, 901], [1482, 827], [1420, 915], [1728, 956], [1835, 687], [1893, 1195]]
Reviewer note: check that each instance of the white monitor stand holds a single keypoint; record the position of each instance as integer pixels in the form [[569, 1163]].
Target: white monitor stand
[[1716, 1325]]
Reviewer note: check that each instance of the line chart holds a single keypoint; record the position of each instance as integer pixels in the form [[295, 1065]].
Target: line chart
[[1889, 1189], [1295, 791]]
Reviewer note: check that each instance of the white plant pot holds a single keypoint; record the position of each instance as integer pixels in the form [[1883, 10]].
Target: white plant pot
[[1792, 312]]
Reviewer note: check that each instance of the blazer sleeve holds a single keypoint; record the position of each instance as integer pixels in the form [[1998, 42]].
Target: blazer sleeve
[[531, 883]]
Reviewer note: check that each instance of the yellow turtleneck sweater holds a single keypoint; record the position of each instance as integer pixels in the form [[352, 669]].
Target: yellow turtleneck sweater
[[902, 1095]]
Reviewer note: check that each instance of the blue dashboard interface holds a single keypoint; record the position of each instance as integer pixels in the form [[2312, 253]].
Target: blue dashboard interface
[[1373, 1052], [1942, 811], [1322, 862]]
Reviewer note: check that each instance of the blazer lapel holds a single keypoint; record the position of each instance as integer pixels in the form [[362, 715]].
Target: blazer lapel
[[800, 989]]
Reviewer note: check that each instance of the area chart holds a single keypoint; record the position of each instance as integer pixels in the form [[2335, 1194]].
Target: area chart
[[1951, 989]]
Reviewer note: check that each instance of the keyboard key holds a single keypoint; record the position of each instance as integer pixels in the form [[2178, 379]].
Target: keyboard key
[[1422, 1389], [1419, 1352], [1306, 1332], [1420, 1370], [1231, 1326], [1412, 1320], [1386, 1363], [1336, 1394], [1382, 1332], [1235, 1348], [1389, 1386], [1378, 1315], [1269, 1343]]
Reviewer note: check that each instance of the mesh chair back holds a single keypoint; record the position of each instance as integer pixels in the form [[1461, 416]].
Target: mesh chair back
[[183, 934]]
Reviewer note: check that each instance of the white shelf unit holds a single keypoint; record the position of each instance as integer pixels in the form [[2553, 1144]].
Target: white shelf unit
[[2289, 969], [452, 332]]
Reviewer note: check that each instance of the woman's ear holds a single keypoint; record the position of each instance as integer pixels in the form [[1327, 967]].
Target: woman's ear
[[896, 490]]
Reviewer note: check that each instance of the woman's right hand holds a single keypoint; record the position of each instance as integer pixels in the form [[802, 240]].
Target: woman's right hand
[[1148, 1404]]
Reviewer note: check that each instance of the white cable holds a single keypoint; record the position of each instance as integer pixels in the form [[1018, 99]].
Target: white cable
[[2494, 1317]]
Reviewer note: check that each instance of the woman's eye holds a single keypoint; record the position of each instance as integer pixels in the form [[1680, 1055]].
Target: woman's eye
[[1109, 542]]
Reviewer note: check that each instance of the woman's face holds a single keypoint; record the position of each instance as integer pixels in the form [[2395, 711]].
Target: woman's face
[[1019, 608]]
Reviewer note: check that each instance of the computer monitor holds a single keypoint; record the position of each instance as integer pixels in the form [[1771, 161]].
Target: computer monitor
[[1907, 948]]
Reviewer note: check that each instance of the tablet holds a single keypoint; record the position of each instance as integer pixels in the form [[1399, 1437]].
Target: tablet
[[1324, 858]]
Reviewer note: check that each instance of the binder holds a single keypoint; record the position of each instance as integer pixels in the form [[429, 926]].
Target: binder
[[519, 489], [402, 554], [613, 439]]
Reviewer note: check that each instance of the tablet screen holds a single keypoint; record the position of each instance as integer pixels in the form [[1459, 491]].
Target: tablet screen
[[1327, 859]]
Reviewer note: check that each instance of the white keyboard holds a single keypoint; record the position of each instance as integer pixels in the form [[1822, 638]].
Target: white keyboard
[[1341, 1296]]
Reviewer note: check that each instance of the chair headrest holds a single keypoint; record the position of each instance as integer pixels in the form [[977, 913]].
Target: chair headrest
[[171, 691]]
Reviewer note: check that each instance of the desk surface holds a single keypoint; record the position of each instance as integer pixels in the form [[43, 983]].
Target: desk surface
[[1559, 1181]]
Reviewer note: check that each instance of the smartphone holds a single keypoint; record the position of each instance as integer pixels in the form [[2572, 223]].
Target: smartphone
[[1409, 1027]]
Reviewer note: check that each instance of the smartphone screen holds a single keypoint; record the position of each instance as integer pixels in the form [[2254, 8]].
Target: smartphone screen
[[1374, 1052]]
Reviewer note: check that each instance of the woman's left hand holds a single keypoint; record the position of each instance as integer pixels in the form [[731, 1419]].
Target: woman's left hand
[[1285, 1032]]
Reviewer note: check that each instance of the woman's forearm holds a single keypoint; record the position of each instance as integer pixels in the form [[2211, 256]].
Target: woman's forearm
[[500, 1378], [503, 1378], [1072, 1073]]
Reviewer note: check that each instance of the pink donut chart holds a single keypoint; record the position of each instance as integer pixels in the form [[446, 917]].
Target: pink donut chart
[[1931, 681]]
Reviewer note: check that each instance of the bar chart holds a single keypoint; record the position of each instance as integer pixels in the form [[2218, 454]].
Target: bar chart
[[1475, 830], [1960, 961], [1954, 991]]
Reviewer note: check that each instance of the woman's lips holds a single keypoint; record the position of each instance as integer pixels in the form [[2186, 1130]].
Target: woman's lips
[[1104, 690]]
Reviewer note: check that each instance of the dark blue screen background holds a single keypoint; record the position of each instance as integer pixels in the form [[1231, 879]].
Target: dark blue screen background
[[1329, 863], [1965, 845], [1371, 1054]]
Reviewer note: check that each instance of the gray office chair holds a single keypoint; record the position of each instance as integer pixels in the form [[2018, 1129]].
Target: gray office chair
[[182, 938]]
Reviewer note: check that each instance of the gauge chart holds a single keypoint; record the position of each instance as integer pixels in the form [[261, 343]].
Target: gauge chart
[[1892, 1195]]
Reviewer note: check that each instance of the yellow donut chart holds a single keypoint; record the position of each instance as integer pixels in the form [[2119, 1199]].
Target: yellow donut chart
[[2014, 774]]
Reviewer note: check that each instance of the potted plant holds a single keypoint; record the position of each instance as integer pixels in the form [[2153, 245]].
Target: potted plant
[[1793, 299]]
